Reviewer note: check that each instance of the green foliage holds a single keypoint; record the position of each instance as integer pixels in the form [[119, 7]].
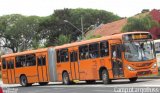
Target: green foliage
[[92, 37], [54, 24], [63, 39], [17, 31], [139, 24]]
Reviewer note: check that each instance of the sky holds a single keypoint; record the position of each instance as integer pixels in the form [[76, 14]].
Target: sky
[[123, 8]]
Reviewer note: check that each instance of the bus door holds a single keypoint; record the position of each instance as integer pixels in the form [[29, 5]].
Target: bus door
[[11, 71], [42, 68], [116, 59], [74, 65], [4, 71]]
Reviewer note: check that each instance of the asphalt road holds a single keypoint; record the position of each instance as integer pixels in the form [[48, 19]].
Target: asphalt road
[[118, 86]]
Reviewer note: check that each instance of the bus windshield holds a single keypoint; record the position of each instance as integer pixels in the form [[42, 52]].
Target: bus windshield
[[139, 50]]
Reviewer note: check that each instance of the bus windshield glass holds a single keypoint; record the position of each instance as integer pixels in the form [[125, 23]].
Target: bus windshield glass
[[139, 50]]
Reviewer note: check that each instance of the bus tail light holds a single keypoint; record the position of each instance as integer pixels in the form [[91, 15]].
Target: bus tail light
[[130, 68]]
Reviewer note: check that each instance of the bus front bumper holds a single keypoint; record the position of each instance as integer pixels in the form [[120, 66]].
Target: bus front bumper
[[139, 73]]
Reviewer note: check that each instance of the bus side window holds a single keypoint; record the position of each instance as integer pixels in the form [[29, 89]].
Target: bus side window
[[104, 49], [30, 60], [12, 64], [64, 55], [20, 61], [4, 65], [44, 60], [23, 61], [118, 52], [73, 56], [39, 59], [8, 65], [94, 50], [83, 52], [58, 56]]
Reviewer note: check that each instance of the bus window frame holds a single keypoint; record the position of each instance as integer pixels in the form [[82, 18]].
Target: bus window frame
[[42, 61], [4, 61], [75, 58], [79, 50], [100, 48], [59, 55], [23, 61], [92, 51]]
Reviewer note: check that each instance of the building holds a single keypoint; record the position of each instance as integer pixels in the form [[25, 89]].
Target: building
[[155, 14], [116, 26]]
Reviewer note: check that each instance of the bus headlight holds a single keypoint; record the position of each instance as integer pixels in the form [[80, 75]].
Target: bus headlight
[[130, 68], [154, 65]]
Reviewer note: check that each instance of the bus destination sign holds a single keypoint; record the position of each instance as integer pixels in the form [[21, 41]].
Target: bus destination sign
[[136, 36]]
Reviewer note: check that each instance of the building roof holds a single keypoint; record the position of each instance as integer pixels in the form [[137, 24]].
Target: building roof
[[110, 28]]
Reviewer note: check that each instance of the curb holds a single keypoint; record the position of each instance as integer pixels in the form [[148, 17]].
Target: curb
[[153, 77]]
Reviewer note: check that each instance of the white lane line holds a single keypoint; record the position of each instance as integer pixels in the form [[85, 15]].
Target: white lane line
[[152, 85]]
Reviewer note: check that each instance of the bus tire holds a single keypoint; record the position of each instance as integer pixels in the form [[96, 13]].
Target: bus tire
[[133, 79], [105, 77], [66, 80], [90, 81], [24, 81], [43, 83]]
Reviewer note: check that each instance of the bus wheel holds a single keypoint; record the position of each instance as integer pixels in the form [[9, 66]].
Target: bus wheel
[[43, 83], [66, 79], [133, 79], [24, 81], [90, 81], [105, 77]]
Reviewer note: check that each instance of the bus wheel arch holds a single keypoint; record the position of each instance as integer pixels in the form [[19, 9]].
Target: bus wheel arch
[[104, 75], [24, 80], [65, 78], [100, 72]]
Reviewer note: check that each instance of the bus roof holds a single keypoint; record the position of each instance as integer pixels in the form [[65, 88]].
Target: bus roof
[[25, 52]]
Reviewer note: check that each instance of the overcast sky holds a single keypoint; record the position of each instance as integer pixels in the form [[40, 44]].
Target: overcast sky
[[123, 8]]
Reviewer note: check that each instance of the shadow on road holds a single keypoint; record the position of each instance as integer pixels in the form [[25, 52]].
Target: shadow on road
[[114, 82]]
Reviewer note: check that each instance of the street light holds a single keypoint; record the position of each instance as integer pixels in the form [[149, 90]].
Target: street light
[[82, 31]]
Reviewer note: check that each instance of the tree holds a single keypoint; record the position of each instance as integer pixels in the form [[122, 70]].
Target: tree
[[139, 24], [63, 39], [53, 26], [17, 31], [92, 36]]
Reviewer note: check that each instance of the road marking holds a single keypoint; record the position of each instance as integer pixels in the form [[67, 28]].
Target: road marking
[[152, 85]]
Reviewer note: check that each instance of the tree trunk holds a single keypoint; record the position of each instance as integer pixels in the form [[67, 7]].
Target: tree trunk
[[14, 49]]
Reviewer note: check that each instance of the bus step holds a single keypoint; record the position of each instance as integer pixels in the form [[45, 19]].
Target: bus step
[[76, 81]]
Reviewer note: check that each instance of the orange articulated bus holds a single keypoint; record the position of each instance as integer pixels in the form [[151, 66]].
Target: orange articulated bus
[[126, 55]]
